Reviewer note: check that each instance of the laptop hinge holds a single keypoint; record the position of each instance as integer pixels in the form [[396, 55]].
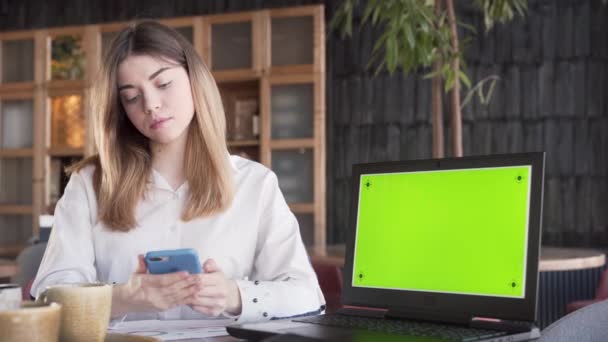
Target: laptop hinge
[[421, 315], [501, 324]]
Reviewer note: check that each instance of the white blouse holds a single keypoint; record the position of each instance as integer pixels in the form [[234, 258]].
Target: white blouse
[[256, 242]]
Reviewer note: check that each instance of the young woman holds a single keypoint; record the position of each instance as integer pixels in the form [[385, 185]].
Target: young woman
[[163, 179]]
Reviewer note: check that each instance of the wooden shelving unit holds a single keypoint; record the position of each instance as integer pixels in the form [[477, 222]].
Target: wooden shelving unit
[[270, 68]]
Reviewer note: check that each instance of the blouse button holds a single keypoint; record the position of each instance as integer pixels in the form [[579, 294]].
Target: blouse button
[[265, 314], [255, 300], [257, 282]]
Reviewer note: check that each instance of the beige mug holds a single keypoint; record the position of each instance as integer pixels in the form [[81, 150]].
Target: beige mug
[[32, 322], [85, 313]]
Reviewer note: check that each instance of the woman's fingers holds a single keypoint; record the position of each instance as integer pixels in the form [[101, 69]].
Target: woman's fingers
[[217, 293], [164, 291], [178, 292], [180, 285], [210, 279], [210, 266], [183, 296], [209, 300], [164, 280], [211, 291]]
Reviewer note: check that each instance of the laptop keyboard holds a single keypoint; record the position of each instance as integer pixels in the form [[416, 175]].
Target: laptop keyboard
[[413, 328]]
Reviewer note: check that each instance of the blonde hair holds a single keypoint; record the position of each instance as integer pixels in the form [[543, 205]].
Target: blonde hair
[[124, 153]]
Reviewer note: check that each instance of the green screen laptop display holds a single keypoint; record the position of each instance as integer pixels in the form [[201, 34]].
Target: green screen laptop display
[[450, 231]]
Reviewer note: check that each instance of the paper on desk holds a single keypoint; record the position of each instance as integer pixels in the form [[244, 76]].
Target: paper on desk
[[167, 330]]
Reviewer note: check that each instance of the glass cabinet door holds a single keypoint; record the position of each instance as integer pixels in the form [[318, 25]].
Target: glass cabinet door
[[294, 169], [67, 58], [292, 108], [16, 181], [16, 124], [231, 46], [106, 40], [67, 122], [187, 32], [241, 107], [292, 40], [17, 60]]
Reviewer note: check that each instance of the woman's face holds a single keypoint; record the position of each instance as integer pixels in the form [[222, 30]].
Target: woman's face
[[156, 96]]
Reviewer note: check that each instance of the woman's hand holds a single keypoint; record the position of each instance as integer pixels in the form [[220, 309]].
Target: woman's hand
[[216, 293], [152, 292]]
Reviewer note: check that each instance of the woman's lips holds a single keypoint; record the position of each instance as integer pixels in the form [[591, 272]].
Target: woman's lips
[[159, 122]]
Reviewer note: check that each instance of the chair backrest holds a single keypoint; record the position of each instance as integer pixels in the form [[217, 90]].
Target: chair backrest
[[589, 324], [330, 281], [602, 289], [28, 263]]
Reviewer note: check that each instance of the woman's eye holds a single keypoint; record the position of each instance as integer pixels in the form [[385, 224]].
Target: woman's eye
[[131, 99], [164, 85]]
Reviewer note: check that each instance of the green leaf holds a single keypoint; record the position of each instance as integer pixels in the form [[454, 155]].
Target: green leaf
[[464, 78], [449, 82], [490, 92]]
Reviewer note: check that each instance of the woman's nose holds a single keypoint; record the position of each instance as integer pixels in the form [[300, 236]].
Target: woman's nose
[[152, 103]]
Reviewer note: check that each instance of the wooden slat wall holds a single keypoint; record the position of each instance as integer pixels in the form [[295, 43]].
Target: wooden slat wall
[[553, 67]]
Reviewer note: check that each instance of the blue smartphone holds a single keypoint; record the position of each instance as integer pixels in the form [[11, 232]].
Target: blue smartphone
[[176, 260]]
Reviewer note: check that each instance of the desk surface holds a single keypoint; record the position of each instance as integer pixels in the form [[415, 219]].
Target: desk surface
[[569, 259], [552, 258]]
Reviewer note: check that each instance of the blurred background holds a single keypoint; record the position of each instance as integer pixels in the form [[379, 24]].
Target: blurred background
[[551, 66]]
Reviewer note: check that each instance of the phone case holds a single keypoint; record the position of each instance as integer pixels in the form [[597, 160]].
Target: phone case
[[169, 261]]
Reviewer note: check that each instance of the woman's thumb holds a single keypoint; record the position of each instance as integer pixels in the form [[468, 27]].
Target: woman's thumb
[[141, 267]]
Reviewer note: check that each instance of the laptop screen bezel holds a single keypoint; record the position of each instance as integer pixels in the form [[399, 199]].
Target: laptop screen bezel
[[443, 304]]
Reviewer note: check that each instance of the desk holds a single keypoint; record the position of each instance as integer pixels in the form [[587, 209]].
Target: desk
[[566, 274], [568, 259]]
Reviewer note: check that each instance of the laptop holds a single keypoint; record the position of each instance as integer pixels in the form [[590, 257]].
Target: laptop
[[439, 250]]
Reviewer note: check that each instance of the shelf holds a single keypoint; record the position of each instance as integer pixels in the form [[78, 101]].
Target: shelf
[[237, 75], [286, 70], [290, 144], [57, 87], [14, 209], [65, 152], [239, 143], [17, 87], [302, 208], [16, 153], [11, 250]]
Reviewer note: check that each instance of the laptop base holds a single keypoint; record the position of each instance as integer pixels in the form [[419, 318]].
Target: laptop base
[[319, 332]]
